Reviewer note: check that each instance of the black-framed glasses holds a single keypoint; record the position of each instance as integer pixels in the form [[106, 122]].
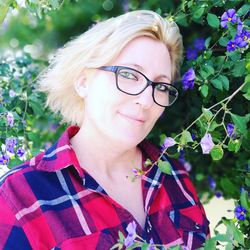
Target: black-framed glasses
[[133, 82]]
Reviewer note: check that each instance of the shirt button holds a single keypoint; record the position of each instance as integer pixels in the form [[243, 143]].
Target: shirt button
[[197, 226]]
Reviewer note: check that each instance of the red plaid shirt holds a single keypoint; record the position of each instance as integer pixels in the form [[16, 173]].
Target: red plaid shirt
[[50, 202]]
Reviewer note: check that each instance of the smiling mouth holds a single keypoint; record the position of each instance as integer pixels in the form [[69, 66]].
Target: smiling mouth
[[132, 118]]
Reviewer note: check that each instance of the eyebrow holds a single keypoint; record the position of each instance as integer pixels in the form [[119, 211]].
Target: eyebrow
[[142, 69]]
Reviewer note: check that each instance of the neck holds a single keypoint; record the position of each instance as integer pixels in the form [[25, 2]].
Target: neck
[[105, 157]]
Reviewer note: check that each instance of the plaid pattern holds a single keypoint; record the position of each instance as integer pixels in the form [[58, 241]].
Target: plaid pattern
[[50, 202]]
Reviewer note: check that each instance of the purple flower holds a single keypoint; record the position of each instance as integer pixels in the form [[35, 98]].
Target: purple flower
[[182, 160], [231, 46], [4, 159], [150, 247], [20, 152], [231, 130], [53, 127], [10, 143], [193, 136], [242, 39], [12, 93], [131, 229], [239, 26], [212, 183], [188, 79], [206, 143], [137, 172], [218, 194], [240, 213], [191, 54], [47, 145], [10, 119], [199, 44], [187, 166], [228, 16], [168, 142]]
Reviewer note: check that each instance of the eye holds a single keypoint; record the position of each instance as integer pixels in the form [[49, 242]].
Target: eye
[[128, 75], [162, 87]]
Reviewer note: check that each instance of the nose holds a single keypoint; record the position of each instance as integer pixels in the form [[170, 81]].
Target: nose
[[145, 99]]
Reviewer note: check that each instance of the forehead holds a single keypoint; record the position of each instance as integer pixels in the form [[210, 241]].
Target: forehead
[[150, 54]]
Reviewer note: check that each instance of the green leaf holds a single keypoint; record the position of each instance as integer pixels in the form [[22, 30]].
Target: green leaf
[[239, 68], [181, 19], [225, 81], [223, 41], [36, 108], [144, 246], [232, 29], [18, 110], [204, 90], [209, 69], [165, 166], [234, 145], [116, 246], [238, 235], [213, 20], [198, 12], [3, 12], [207, 113], [207, 54], [199, 177], [5, 69], [15, 162], [210, 244], [55, 4], [243, 10], [248, 66], [229, 246], [247, 95], [175, 248], [185, 137], [229, 187], [213, 126], [247, 181], [217, 83], [121, 236], [217, 153], [222, 238], [207, 42], [246, 86], [234, 56], [32, 136], [240, 123], [244, 200]]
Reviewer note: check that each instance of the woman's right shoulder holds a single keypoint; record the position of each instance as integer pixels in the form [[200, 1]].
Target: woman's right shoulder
[[19, 171]]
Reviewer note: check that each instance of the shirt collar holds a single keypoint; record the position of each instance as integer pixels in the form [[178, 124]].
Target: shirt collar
[[62, 155]]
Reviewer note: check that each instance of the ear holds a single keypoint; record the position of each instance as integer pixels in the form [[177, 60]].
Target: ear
[[81, 87]]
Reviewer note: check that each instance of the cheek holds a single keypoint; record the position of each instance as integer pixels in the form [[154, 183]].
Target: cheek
[[157, 113]]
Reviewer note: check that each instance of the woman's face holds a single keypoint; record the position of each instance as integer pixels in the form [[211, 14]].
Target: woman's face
[[115, 116]]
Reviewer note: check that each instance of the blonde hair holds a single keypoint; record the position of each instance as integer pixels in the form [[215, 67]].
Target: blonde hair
[[97, 47]]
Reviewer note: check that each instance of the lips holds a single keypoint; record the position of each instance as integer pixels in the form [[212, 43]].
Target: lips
[[133, 118]]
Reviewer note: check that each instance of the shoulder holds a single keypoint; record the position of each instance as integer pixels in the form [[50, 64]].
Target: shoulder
[[16, 176]]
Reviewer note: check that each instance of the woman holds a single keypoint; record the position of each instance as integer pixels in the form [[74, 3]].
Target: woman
[[111, 84]]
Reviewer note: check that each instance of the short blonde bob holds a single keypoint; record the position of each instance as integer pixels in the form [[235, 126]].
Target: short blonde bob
[[97, 47]]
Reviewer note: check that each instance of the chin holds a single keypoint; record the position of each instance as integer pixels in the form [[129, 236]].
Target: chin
[[129, 139]]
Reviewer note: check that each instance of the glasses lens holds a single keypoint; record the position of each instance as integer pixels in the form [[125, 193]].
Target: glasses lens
[[165, 94], [133, 82], [130, 81]]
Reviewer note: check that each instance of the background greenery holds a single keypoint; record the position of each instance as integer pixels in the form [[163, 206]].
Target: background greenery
[[32, 30]]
